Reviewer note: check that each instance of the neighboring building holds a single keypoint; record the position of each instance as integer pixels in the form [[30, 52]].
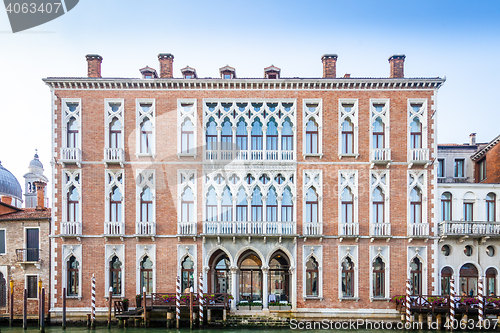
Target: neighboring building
[[24, 247], [315, 191], [469, 193], [34, 174]]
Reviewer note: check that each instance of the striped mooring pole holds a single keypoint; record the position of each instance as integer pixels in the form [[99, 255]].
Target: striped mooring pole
[[201, 300], [452, 302], [480, 314], [178, 302], [408, 302], [93, 302]]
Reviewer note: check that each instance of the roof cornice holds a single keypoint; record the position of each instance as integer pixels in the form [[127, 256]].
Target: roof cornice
[[485, 149], [245, 84]]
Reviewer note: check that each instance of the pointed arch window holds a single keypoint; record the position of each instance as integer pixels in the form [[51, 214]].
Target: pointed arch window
[[378, 132], [73, 205], [257, 205], [227, 135], [241, 135], [312, 277], [415, 134], [272, 135], [187, 273], [241, 206], [378, 206], [187, 136], [227, 205], [490, 207], [347, 137], [272, 206], [211, 205], [311, 205], [347, 277], [115, 275], [115, 205], [287, 135], [211, 135], [73, 267], [378, 278], [115, 133], [311, 137], [147, 275], [416, 276], [257, 135], [146, 205], [347, 206], [146, 136], [287, 206], [446, 206], [415, 205], [72, 133], [187, 206]]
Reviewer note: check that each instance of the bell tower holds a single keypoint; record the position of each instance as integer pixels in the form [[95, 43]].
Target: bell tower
[[35, 173]]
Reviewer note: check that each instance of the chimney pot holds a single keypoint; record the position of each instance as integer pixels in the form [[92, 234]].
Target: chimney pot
[[40, 195], [94, 65], [329, 66], [166, 65], [397, 62], [472, 139]]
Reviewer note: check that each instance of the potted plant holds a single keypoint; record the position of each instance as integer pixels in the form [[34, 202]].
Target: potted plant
[[285, 306], [125, 304], [274, 305], [138, 300], [243, 305], [256, 306]]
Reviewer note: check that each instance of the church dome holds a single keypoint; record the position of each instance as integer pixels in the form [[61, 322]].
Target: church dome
[[35, 165], [9, 185]]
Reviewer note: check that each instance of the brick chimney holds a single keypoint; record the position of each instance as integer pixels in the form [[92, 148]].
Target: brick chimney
[[166, 65], [6, 200], [472, 139], [329, 66], [40, 195], [94, 65], [397, 62]]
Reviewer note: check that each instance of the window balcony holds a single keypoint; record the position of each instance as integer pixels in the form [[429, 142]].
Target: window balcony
[[349, 229], [275, 228], [380, 156], [145, 229], [469, 229], [418, 156], [312, 229], [186, 228], [418, 230], [249, 155], [71, 156], [114, 229], [114, 156], [71, 229], [380, 229], [27, 255]]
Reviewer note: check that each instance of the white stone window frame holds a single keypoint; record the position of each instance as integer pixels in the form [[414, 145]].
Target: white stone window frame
[[256, 173], [182, 116], [66, 116], [140, 186], [315, 251], [384, 115], [71, 175], [350, 251], [420, 181], [422, 117], [69, 250], [353, 116], [110, 251], [140, 115], [420, 252], [316, 181], [464, 167], [207, 114], [110, 115], [189, 182], [376, 181], [384, 253], [350, 181], [191, 251], [5, 243], [26, 284], [143, 250], [109, 187], [316, 116]]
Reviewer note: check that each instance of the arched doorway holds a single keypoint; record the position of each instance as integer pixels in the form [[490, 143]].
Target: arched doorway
[[279, 281], [220, 275], [446, 275], [468, 280], [250, 277], [491, 281]]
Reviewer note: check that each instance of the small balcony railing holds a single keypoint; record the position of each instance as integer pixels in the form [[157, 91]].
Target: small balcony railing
[[71, 155], [349, 229], [380, 156], [418, 229], [380, 229], [114, 228], [250, 155], [71, 229], [418, 156], [114, 155], [469, 228], [27, 255], [312, 228], [186, 228], [249, 228], [145, 229]]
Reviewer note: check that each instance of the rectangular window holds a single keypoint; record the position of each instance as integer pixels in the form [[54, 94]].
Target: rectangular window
[[440, 168], [2, 241], [482, 170], [468, 211], [459, 168], [32, 286]]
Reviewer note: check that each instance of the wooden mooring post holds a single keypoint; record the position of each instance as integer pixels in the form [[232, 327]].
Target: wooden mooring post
[[145, 307], [11, 305], [191, 308], [110, 304], [178, 302], [42, 321], [25, 309], [64, 309]]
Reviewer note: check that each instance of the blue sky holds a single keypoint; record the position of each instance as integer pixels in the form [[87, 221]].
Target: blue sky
[[456, 39]]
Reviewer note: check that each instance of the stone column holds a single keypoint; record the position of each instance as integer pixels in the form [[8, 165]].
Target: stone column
[[234, 290], [293, 291], [265, 287]]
